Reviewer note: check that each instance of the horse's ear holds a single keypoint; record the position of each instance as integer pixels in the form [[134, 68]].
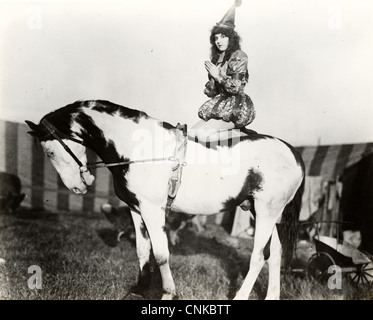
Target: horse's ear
[[34, 127]]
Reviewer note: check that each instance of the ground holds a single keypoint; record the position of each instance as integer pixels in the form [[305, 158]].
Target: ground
[[80, 258]]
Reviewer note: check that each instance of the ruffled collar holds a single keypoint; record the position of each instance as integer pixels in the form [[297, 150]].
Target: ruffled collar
[[221, 58]]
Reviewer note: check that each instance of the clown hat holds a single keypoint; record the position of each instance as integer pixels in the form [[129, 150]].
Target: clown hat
[[228, 19]]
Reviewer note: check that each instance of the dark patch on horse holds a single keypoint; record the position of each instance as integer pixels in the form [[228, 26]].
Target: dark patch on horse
[[111, 108], [121, 188], [248, 131], [166, 125], [252, 207], [95, 140], [61, 119], [144, 231], [266, 250], [252, 184], [255, 137]]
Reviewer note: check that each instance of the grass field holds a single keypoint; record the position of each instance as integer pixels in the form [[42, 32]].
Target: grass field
[[80, 259]]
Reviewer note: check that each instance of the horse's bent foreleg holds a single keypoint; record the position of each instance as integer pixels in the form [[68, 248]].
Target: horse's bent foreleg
[[143, 249], [263, 230], [154, 218], [274, 267]]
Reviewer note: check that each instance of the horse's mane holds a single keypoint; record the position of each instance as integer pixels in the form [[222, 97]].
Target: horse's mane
[[63, 118]]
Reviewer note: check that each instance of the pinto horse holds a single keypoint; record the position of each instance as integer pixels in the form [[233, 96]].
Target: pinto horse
[[253, 170]]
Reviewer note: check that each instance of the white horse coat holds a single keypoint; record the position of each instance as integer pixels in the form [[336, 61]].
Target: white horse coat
[[262, 170]]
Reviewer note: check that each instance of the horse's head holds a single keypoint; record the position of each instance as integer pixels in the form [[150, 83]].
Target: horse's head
[[67, 155]]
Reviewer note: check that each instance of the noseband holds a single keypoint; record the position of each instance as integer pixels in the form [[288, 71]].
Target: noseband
[[57, 135]]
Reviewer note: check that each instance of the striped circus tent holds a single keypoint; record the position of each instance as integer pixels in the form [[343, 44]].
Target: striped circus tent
[[325, 167], [22, 155], [329, 161]]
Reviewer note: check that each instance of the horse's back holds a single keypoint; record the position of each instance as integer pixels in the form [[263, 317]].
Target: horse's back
[[264, 164], [249, 144]]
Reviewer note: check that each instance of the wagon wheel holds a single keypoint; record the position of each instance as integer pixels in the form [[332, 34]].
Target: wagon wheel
[[318, 266], [363, 274]]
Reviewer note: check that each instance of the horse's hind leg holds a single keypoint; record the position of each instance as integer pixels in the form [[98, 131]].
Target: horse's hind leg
[[265, 222], [274, 267], [155, 219], [143, 248]]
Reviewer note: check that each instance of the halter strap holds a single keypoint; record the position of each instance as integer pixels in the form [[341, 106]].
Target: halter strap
[[56, 134], [52, 130]]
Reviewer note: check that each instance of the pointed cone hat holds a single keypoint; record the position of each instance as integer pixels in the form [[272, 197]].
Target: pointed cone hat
[[229, 17]]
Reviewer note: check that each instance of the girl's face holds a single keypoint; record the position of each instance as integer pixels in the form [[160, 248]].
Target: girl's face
[[221, 42]]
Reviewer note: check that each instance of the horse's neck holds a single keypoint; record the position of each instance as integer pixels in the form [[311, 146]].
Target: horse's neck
[[141, 139]]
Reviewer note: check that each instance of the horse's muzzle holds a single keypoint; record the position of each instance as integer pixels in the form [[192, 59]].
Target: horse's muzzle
[[87, 177], [79, 191]]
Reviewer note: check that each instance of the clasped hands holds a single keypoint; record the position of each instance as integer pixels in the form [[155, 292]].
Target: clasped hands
[[212, 69]]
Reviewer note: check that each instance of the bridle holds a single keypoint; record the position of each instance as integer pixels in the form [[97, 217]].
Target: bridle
[[85, 174], [58, 135]]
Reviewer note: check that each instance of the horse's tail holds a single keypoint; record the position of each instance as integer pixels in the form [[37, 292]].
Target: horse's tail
[[288, 230]]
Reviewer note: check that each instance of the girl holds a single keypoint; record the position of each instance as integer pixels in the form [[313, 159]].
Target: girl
[[229, 107]]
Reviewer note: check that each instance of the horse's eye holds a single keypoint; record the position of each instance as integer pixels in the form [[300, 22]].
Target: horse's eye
[[50, 154]]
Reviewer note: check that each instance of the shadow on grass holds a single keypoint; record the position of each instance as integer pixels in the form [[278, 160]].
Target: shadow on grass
[[233, 258], [109, 236], [69, 248], [233, 261]]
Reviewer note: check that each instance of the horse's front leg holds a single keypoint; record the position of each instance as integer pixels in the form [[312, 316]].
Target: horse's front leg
[[155, 220], [143, 249]]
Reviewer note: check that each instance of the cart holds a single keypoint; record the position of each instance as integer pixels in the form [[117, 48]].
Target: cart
[[354, 263]]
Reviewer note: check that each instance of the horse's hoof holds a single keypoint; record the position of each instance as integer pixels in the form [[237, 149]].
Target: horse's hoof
[[170, 296], [239, 297]]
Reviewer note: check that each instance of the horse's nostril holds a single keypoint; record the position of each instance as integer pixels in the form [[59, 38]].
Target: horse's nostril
[[76, 190]]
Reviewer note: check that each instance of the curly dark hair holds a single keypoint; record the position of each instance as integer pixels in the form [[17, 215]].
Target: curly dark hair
[[234, 42]]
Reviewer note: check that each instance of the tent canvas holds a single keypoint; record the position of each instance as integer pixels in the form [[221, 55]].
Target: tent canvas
[[329, 161], [357, 199]]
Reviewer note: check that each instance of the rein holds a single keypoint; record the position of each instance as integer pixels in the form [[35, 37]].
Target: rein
[[174, 181], [100, 164]]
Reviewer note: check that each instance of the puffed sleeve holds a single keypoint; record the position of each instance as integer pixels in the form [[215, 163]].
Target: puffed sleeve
[[210, 89], [236, 72]]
